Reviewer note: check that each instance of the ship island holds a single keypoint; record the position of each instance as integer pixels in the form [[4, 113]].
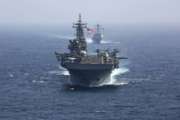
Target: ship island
[[86, 69], [98, 35]]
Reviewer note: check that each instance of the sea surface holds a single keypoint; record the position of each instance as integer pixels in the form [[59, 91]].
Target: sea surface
[[34, 87]]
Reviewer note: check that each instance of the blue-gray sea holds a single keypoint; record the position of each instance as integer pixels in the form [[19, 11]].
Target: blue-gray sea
[[147, 86]]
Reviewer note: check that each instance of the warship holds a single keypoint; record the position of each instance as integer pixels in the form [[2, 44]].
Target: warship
[[98, 36], [87, 69]]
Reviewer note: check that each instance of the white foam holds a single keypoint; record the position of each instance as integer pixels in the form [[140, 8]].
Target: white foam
[[59, 72], [11, 75], [65, 72], [89, 40], [113, 80], [38, 81]]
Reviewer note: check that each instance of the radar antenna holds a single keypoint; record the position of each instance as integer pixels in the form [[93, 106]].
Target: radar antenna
[[79, 29]]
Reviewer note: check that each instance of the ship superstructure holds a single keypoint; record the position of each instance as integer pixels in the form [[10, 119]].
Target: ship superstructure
[[98, 35], [86, 69]]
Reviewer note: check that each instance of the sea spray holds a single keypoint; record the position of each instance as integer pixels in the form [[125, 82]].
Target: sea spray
[[62, 71], [113, 80]]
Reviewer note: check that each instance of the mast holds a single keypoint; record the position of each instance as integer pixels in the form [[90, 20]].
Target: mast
[[78, 46], [98, 28], [79, 26]]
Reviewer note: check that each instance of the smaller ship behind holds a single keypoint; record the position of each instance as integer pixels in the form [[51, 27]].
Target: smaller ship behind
[[98, 35]]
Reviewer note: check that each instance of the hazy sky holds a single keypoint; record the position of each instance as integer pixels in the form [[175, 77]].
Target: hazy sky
[[94, 11]]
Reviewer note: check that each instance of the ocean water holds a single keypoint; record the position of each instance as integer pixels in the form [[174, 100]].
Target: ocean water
[[146, 87]]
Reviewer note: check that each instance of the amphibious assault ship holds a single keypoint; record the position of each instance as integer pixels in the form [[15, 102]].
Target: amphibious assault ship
[[85, 69], [98, 36]]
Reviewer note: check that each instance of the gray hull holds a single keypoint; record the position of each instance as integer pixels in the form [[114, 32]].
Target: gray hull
[[89, 74]]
